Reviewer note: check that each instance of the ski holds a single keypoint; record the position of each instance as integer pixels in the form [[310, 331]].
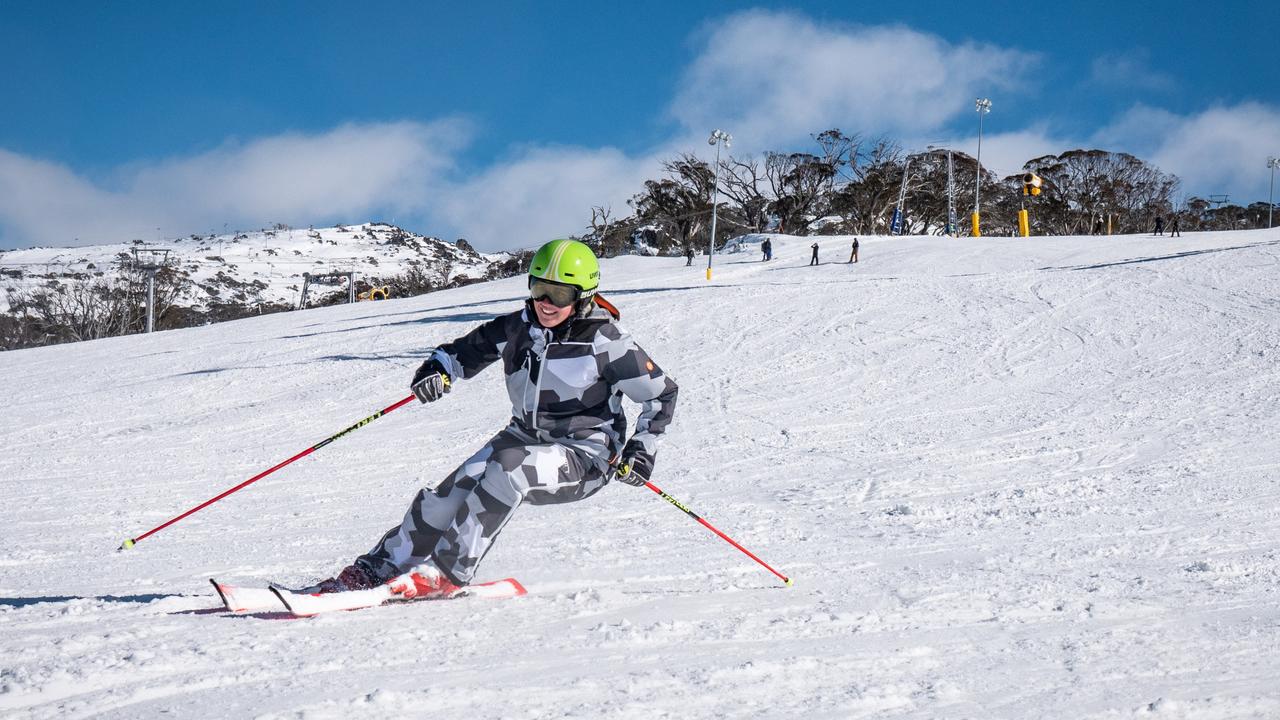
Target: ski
[[308, 605], [246, 599]]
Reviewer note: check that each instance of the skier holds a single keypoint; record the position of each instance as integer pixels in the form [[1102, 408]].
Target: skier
[[568, 364], [1159, 226], [853, 257], [1173, 229], [767, 247], [814, 260], [688, 253]]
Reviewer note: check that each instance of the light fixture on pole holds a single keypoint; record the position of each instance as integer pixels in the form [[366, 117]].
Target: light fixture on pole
[[718, 138], [983, 106], [1273, 163]]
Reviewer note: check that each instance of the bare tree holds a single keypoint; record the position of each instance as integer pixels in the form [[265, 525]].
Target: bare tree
[[1081, 186], [741, 181], [842, 153], [679, 204], [799, 183]]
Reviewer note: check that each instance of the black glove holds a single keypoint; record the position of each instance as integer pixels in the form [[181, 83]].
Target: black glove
[[430, 382], [635, 467]]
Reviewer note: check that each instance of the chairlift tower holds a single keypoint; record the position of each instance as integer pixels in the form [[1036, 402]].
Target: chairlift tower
[[149, 261], [329, 278], [896, 224]]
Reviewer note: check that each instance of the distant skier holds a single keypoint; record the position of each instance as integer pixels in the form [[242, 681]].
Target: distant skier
[[764, 250], [853, 256], [768, 249], [1173, 228], [814, 260], [688, 252], [1159, 226], [568, 364], [1097, 227]]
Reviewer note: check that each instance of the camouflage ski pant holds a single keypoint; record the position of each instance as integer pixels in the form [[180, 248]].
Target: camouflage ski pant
[[455, 524]]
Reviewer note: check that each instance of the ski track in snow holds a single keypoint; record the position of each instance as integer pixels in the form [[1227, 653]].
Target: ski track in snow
[[1011, 479]]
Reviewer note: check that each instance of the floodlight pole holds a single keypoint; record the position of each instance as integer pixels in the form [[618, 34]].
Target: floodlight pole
[[151, 299], [983, 106], [718, 138], [951, 197], [1273, 163]]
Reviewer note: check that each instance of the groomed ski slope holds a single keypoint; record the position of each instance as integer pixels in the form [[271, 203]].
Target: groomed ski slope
[[1012, 478]]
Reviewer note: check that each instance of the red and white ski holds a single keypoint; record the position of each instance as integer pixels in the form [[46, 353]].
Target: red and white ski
[[307, 604]]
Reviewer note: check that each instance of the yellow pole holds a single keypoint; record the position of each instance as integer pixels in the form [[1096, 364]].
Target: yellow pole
[[976, 231], [1024, 225], [708, 273]]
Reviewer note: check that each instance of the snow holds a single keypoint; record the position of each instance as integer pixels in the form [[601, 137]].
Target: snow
[[263, 266], [1011, 478]]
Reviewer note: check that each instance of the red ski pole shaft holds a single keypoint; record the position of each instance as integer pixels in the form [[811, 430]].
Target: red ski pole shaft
[[712, 528], [133, 541]]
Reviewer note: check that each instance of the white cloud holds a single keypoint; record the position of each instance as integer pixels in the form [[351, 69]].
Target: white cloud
[[542, 193], [1221, 150], [773, 78], [350, 172]]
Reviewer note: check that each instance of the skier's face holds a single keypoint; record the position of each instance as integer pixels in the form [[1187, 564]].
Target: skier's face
[[549, 315]]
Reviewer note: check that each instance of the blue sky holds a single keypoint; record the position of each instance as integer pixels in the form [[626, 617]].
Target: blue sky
[[506, 125]]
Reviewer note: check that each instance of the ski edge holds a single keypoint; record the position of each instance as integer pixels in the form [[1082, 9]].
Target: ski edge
[[310, 605]]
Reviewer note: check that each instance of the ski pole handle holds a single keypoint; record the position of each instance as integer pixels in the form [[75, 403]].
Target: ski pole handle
[[786, 580], [133, 541]]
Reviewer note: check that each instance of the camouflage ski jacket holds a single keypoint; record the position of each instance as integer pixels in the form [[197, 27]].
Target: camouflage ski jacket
[[566, 384]]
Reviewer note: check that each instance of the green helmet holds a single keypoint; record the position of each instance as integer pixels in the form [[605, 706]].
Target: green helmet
[[568, 262]]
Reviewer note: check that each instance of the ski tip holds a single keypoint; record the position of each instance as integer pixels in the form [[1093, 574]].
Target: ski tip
[[517, 587], [222, 595]]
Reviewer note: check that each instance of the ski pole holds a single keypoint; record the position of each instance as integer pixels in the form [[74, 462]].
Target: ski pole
[[133, 541], [709, 526]]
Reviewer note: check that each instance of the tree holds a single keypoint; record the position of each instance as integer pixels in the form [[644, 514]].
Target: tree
[[741, 184], [866, 202], [799, 183], [1082, 186], [679, 204]]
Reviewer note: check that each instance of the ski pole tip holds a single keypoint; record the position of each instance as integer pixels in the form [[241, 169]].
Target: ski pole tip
[[788, 581], [126, 544]]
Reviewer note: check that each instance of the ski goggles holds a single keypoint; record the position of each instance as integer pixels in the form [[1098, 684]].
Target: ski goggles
[[561, 295]]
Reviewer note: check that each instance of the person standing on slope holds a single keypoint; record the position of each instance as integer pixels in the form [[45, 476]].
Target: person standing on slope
[[814, 260], [568, 364]]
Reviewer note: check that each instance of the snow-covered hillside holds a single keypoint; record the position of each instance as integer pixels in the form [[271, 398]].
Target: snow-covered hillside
[[1012, 478], [263, 266]]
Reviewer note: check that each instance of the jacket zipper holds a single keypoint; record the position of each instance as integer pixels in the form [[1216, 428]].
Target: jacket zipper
[[537, 386]]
